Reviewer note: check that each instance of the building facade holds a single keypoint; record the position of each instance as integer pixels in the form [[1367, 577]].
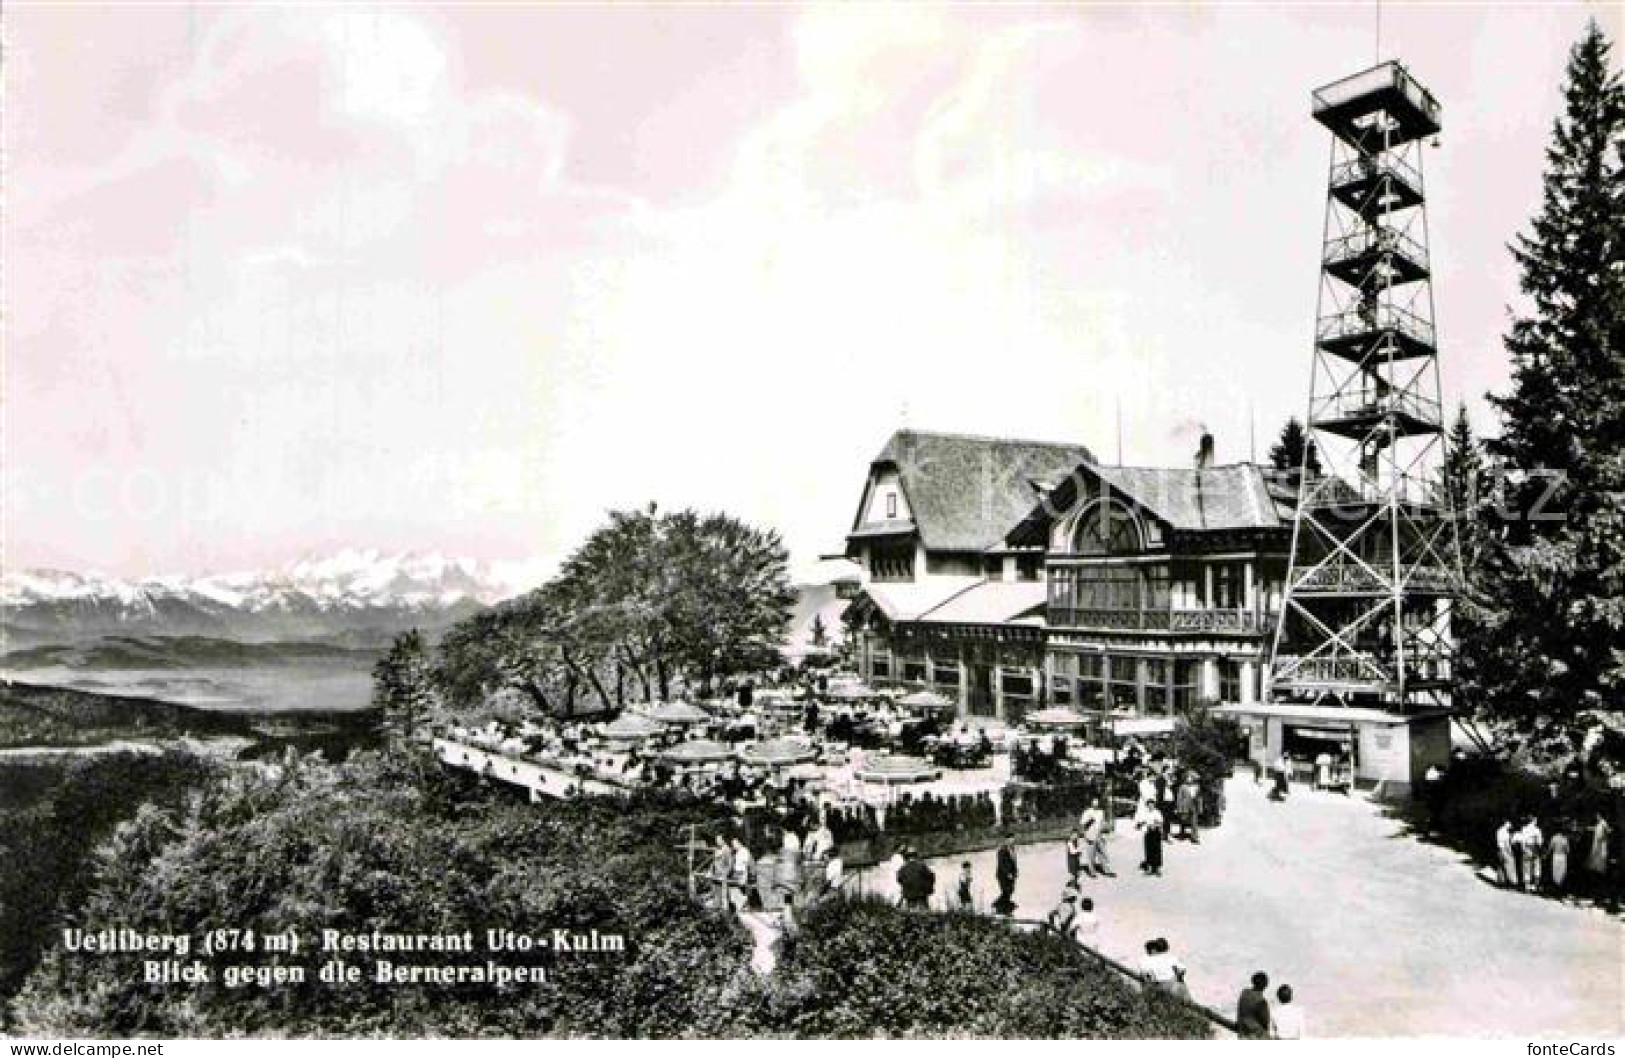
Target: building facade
[[1013, 574]]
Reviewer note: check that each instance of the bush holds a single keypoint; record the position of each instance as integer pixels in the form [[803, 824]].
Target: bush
[[861, 968], [59, 810], [395, 844]]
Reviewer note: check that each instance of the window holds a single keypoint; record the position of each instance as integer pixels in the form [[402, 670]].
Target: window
[[1230, 680], [1122, 691], [1019, 684], [945, 673], [1187, 675], [891, 505], [913, 670], [1107, 528], [892, 562]]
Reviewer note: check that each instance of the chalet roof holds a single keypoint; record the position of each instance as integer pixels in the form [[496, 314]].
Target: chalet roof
[[907, 600], [1235, 496], [966, 492], [991, 602], [1225, 497]]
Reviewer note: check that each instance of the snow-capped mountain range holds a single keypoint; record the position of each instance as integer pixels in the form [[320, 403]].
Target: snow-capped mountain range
[[358, 595]]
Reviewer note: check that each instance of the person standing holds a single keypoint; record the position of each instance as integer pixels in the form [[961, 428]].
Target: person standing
[[744, 865], [721, 871], [1074, 853], [1557, 859], [1323, 770], [894, 868], [1507, 852], [1533, 844], [1005, 874], [1287, 1018], [1253, 1010], [1149, 822], [1596, 857], [1094, 833], [1186, 805], [964, 895]]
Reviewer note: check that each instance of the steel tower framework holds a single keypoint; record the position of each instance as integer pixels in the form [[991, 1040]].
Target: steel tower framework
[[1365, 617]]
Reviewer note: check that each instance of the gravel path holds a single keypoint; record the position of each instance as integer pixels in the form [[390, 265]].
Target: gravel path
[[1379, 934]]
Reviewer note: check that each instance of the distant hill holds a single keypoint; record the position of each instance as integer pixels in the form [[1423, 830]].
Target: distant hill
[[358, 597], [57, 716], [181, 652]]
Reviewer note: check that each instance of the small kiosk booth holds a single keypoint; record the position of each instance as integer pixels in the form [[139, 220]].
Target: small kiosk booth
[[1389, 751]]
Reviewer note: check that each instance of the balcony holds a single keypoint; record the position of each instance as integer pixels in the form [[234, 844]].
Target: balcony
[[1356, 413], [1380, 107], [1370, 184], [1184, 621], [1375, 257], [1356, 334]]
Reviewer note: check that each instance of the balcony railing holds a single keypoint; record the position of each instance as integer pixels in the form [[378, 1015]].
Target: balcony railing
[[1354, 323], [1238, 621], [1374, 241], [1390, 75], [1357, 404], [1367, 167]]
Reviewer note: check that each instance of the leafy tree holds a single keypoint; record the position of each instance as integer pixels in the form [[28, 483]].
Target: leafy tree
[[1547, 626], [1295, 450], [647, 600]]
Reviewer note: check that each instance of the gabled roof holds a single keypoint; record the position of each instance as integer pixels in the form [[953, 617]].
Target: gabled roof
[[966, 492], [992, 602], [954, 601], [1237, 496], [907, 600]]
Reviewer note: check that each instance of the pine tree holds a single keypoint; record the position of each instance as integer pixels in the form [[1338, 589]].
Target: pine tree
[[1461, 481], [1295, 449], [400, 682], [1547, 631]]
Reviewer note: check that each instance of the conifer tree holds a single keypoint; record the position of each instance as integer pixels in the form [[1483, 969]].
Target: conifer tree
[[1546, 639]]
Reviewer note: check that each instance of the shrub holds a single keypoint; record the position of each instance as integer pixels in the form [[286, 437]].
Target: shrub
[[862, 968]]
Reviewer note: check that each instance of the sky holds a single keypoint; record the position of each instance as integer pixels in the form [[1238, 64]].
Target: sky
[[283, 280]]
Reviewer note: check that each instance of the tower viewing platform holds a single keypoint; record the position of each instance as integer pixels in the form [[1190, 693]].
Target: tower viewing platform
[[1385, 98]]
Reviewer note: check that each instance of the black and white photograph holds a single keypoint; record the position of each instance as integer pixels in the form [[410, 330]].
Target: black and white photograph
[[800, 521]]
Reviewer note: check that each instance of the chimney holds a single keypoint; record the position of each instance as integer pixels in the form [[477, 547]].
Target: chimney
[[1204, 450]]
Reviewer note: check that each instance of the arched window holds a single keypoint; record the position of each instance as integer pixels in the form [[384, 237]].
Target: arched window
[[1107, 528]]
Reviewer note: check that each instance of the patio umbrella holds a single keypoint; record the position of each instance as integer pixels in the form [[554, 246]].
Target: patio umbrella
[[678, 713], [926, 700], [849, 692], [805, 771], [698, 751], [1057, 717], [778, 752], [897, 769], [631, 727]]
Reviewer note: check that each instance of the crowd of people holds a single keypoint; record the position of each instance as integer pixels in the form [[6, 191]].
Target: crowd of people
[[803, 870], [1573, 858]]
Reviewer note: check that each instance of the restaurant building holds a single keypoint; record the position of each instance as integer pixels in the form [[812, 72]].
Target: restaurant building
[[1011, 575]]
